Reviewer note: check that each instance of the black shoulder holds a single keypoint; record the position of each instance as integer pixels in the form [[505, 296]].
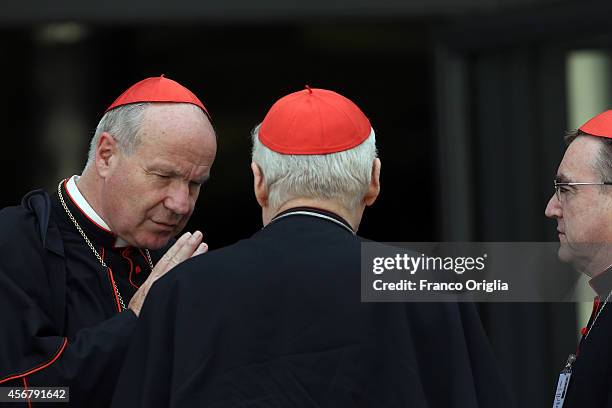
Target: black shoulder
[[17, 223], [32, 263], [39, 202], [30, 224]]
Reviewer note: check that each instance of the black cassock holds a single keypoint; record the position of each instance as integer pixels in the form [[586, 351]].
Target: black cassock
[[60, 319], [276, 321], [591, 381]]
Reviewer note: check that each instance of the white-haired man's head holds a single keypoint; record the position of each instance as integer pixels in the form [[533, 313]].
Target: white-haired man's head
[[343, 178]]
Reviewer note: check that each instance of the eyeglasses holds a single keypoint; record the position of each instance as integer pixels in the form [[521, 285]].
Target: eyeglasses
[[559, 191]]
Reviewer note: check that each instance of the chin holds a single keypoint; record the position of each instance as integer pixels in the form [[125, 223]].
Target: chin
[[156, 241], [565, 254]]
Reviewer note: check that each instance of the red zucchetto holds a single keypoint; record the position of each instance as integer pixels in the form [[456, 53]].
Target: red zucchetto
[[600, 125], [313, 121], [157, 89]]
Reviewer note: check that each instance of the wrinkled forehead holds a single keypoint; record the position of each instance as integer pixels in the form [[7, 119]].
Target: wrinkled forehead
[[177, 138]]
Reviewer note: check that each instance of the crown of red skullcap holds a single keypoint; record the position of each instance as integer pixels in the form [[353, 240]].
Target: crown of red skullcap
[[157, 89], [600, 125], [313, 121]]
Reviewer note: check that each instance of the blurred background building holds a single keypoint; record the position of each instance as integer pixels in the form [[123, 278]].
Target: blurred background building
[[470, 100]]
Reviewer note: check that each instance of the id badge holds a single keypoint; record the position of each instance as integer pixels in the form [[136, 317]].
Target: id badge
[[563, 383]]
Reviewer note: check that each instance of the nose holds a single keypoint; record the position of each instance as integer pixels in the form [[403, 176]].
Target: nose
[[177, 199], [553, 208]]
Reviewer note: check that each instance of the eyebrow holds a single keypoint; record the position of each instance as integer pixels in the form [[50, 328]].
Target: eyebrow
[[561, 178], [174, 173], [203, 179]]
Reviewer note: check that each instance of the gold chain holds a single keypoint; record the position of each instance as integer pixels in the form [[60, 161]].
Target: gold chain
[[78, 227]]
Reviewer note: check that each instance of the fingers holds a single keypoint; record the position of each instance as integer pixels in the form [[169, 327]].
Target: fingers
[[187, 250], [187, 246], [180, 251], [167, 260], [202, 248]]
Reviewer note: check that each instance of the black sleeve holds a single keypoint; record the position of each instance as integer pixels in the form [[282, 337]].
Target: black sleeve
[[490, 387], [34, 353], [89, 365], [33, 348], [146, 377]]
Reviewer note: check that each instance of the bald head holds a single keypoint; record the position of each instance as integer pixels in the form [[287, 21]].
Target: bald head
[[125, 123]]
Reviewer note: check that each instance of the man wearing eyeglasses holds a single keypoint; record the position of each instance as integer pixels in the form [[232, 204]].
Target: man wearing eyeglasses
[[582, 206]]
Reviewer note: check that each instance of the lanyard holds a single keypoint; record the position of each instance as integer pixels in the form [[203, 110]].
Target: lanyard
[[563, 383], [566, 373]]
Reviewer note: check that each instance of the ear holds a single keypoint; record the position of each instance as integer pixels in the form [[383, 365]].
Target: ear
[[374, 188], [259, 185], [106, 154]]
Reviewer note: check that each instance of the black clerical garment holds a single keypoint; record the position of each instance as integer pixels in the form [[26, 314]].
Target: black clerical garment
[[591, 381], [277, 321], [61, 319]]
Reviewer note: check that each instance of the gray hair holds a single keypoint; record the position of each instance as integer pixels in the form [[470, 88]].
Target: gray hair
[[603, 161], [123, 123], [343, 177]]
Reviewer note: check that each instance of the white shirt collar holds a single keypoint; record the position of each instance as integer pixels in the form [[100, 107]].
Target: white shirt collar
[[82, 203]]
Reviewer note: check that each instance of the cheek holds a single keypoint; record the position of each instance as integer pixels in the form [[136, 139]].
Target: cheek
[[141, 195], [599, 232], [584, 228], [135, 204]]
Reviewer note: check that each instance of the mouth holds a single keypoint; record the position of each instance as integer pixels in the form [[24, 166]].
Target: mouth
[[165, 225]]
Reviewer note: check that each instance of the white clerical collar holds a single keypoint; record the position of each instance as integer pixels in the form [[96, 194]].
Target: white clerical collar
[[84, 206], [317, 213]]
